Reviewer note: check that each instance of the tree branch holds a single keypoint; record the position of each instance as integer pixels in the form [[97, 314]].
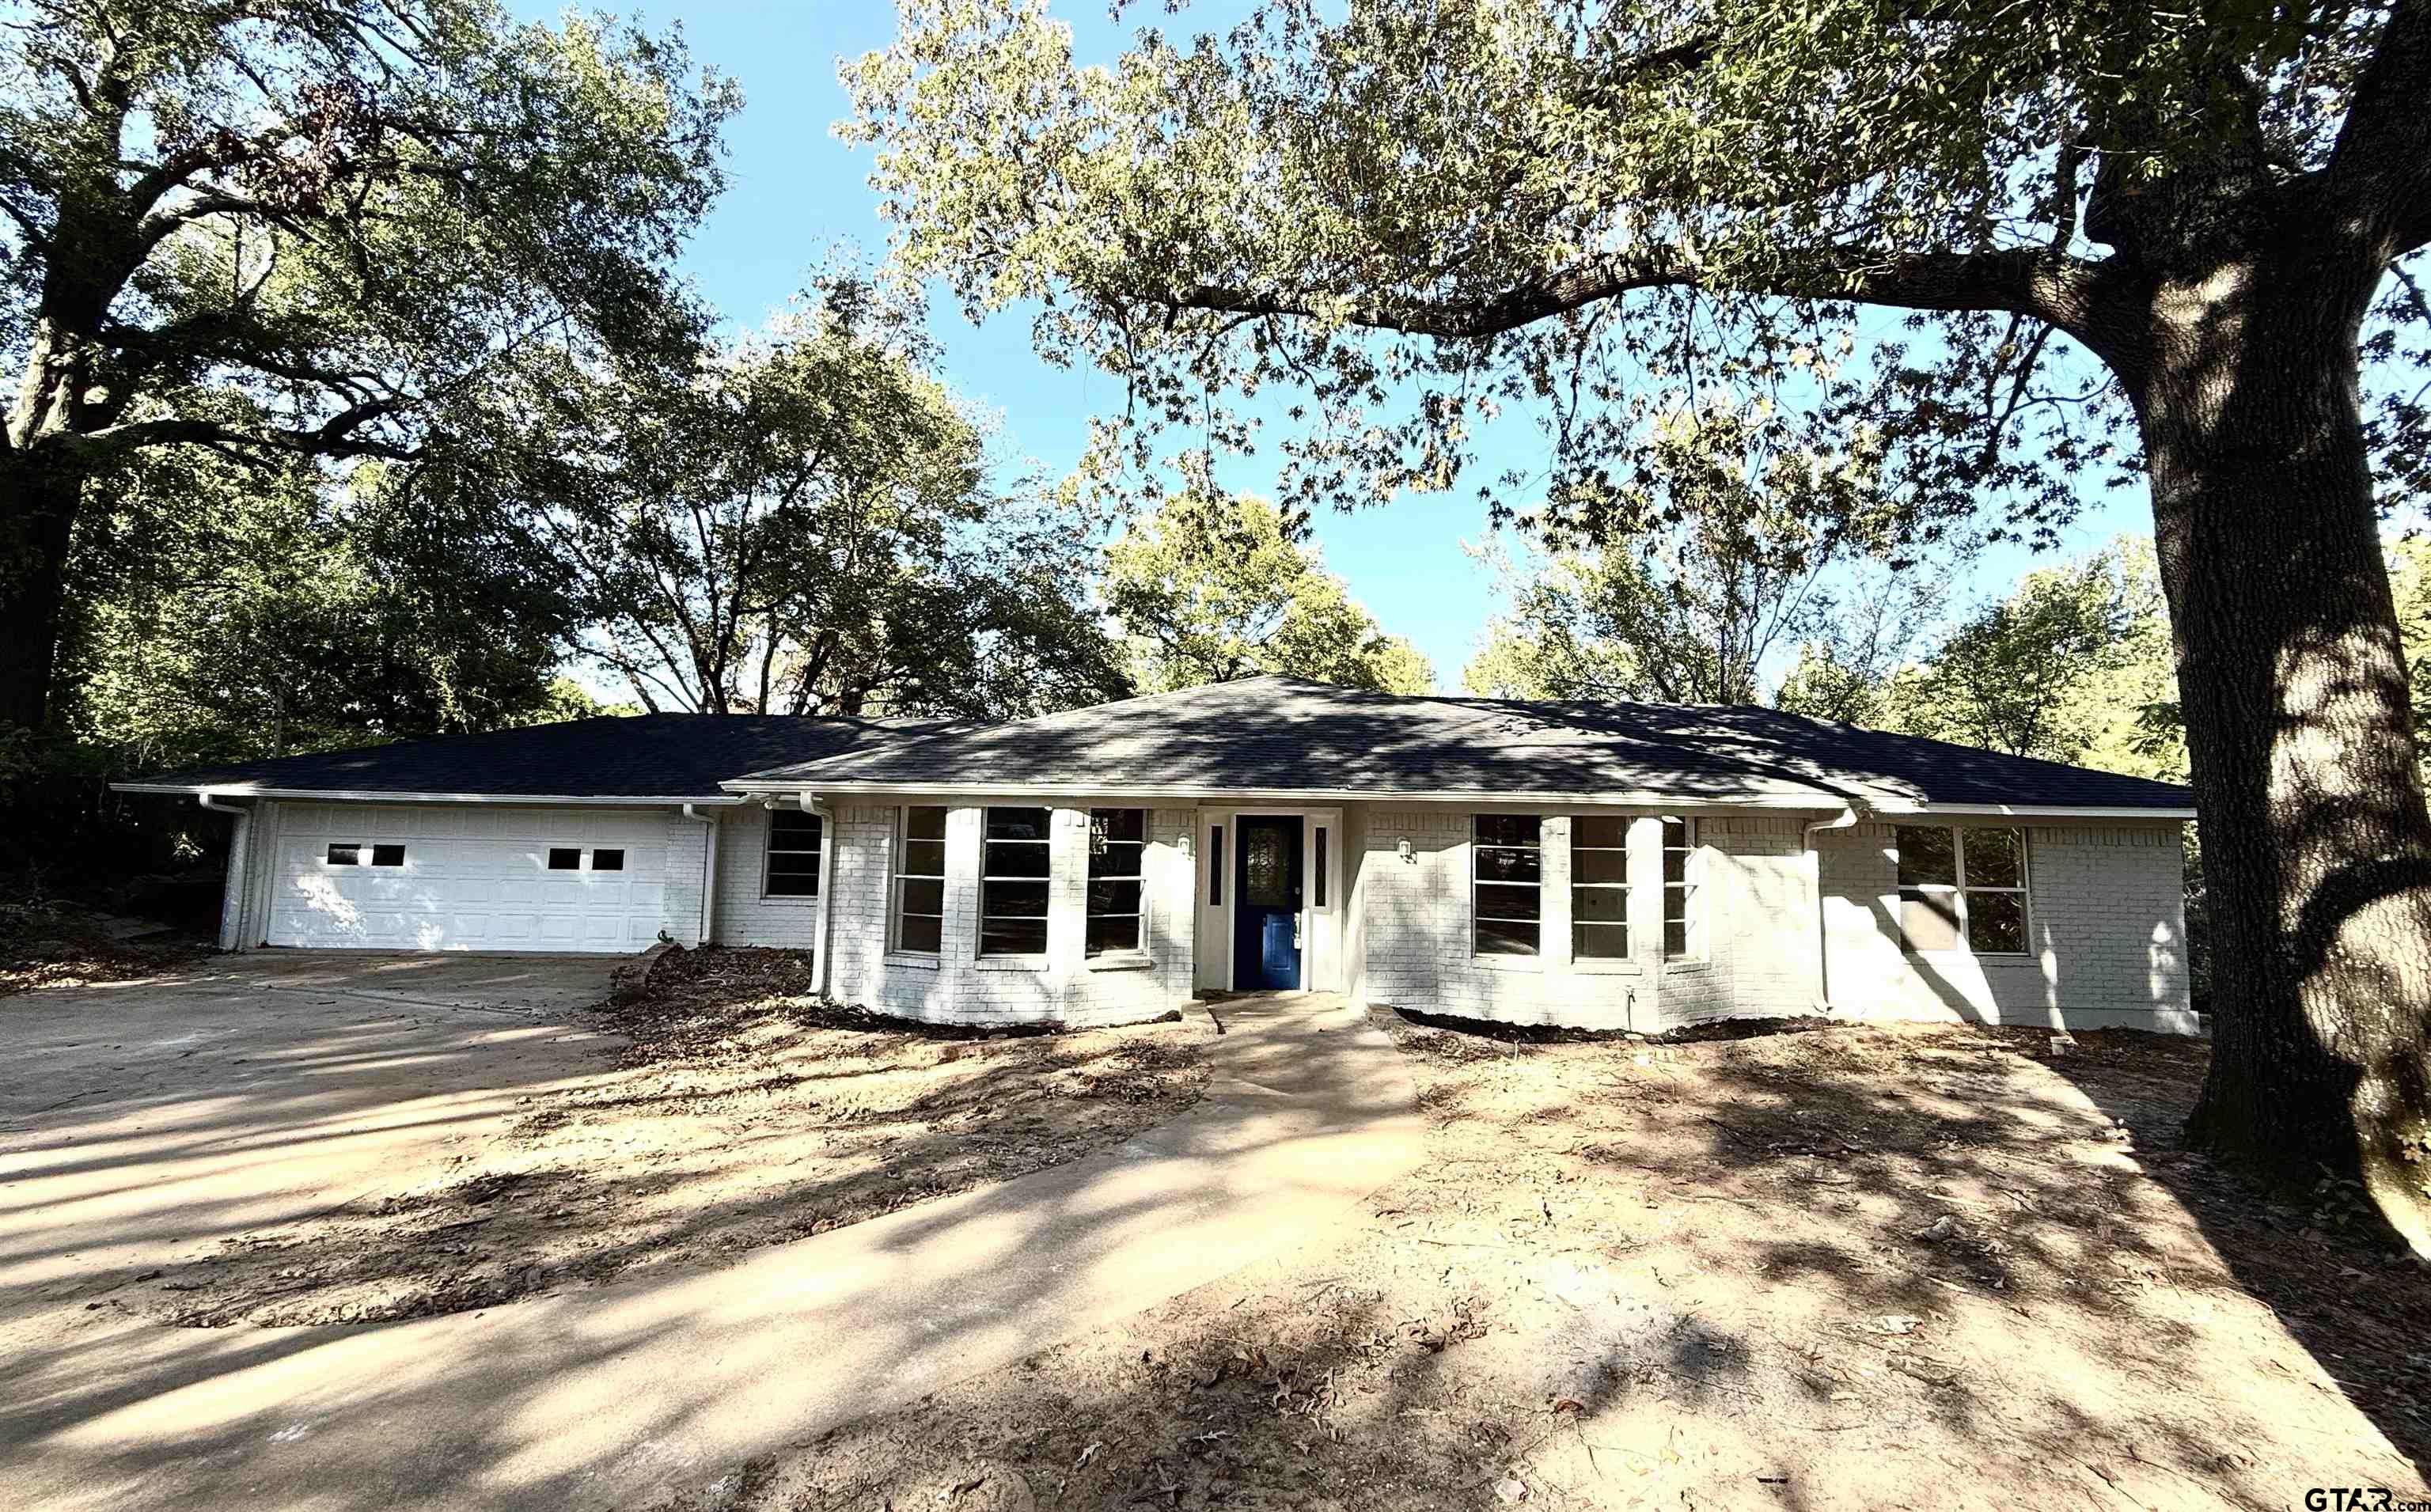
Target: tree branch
[[2046, 285], [2380, 172]]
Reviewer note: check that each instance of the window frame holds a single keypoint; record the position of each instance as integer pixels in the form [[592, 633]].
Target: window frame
[[1478, 846], [1695, 949], [901, 873], [1089, 912], [1959, 889], [1045, 879], [770, 850], [1625, 887]]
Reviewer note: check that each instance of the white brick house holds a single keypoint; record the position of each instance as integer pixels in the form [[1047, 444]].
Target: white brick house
[[1601, 865]]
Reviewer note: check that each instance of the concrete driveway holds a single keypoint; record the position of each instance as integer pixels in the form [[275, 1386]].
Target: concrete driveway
[[138, 1123]]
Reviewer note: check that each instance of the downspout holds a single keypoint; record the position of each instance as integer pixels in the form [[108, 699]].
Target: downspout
[[1844, 820], [811, 806], [239, 875], [708, 935]]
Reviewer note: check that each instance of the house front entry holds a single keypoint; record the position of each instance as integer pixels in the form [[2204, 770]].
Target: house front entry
[[1266, 904]]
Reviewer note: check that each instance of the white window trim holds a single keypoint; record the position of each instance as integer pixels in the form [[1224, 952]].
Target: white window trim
[[1013, 960], [1959, 889], [768, 848], [1498, 959], [1697, 908], [1604, 964], [897, 876], [1129, 957]]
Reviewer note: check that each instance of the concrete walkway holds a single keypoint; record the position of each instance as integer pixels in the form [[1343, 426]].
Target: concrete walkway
[[625, 1394]]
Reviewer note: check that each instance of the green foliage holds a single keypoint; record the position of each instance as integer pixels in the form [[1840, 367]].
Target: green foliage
[[1422, 216], [1730, 552], [314, 230], [2024, 675], [228, 614], [1211, 590], [803, 523]]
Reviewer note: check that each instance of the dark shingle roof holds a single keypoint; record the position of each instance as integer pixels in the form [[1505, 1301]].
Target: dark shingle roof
[[664, 755], [1280, 735]]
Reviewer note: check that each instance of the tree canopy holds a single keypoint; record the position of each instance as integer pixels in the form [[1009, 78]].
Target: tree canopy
[[1211, 590], [312, 229]]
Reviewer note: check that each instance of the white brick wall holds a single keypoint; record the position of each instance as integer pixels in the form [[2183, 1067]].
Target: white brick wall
[[2107, 925], [956, 986], [743, 917], [2107, 919]]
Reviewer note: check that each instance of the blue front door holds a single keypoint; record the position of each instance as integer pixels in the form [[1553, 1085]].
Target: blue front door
[[1266, 905]]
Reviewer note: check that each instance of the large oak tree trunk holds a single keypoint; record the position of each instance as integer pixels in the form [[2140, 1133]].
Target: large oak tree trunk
[[38, 505], [2316, 843]]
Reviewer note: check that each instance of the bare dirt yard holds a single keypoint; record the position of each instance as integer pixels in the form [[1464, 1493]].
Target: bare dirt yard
[[736, 1112], [1813, 1267]]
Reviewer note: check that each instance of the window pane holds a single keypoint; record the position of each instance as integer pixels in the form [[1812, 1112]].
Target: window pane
[[345, 855], [1119, 859], [565, 857], [1677, 835], [1119, 826], [1266, 866], [1016, 824], [1925, 854], [924, 823], [1600, 905], [1495, 900], [1675, 866], [1603, 832], [1506, 937], [802, 887], [1216, 863], [1013, 899], [1509, 828], [607, 861], [920, 933], [1012, 936], [923, 858], [1321, 833], [793, 864], [1996, 922], [1600, 942], [1996, 858], [1599, 866], [1012, 858], [923, 896], [1929, 920], [1113, 933], [1498, 864], [1675, 939], [388, 855], [792, 830], [1113, 897]]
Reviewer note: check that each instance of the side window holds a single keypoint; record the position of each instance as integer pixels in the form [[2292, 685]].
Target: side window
[[791, 865], [1216, 863], [920, 880], [1506, 886], [1962, 889], [1012, 882], [1118, 852], [1683, 923], [1599, 888]]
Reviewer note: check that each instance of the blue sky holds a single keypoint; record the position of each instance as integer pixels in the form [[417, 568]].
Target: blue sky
[[796, 191]]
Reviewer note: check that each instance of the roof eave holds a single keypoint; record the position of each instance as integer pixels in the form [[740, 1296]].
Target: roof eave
[[372, 796]]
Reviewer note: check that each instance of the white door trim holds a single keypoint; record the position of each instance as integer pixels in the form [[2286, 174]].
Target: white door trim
[[1321, 928]]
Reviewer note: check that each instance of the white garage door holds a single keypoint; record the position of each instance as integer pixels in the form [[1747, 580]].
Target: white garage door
[[430, 877]]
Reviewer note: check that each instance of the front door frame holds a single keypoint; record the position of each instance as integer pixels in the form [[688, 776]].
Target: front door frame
[[1321, 928]]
